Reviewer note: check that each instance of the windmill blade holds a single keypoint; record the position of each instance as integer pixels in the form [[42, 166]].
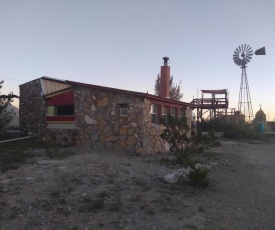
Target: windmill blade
[[242, 47], [260, 51], [247, 59], [245, 46], [250, 48], [235, 52]]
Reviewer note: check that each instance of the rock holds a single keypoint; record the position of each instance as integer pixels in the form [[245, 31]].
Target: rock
[[103, 102], [89, 120], [29, 178], [184, 172], [174, 177], [93, 108], [198, 165], [210, 166], [131, 140], [171, 178]]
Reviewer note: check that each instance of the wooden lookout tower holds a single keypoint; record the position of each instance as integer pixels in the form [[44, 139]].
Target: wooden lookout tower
[[211, 107]]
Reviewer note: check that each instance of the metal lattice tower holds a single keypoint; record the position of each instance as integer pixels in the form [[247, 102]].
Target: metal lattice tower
[[242, 55], [244, 104]]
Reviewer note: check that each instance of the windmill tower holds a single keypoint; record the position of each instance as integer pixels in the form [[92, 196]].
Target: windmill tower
[[242, 55]]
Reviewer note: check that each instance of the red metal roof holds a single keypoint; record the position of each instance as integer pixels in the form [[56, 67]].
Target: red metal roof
[[146, 95]]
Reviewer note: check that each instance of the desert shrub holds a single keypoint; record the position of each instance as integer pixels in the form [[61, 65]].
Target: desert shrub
[[232, 127], [187, 161], [199, 176], [182, 141], [250, 131]]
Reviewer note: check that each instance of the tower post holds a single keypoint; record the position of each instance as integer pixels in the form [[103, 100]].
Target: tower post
[[244, 104]]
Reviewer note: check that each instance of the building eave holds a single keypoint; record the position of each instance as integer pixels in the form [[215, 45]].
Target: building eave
[[110, 89]]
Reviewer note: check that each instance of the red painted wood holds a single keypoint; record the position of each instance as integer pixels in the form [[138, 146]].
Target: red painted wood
[[66, 98], [60, 118]]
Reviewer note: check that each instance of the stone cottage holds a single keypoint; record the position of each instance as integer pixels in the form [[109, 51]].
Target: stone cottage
[[98, 117]]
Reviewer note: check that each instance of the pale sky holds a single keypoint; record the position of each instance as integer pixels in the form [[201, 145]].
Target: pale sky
[[120, 44]]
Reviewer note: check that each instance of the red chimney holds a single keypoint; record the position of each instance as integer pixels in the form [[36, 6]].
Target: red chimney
[[165, 79]]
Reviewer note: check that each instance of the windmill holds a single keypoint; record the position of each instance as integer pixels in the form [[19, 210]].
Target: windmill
[[242, 55]]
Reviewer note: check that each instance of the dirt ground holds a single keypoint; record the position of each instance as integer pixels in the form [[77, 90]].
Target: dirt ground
[[106, 190]]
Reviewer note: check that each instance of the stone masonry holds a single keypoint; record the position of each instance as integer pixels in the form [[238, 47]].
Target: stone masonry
[[102, 127], [98, 123]]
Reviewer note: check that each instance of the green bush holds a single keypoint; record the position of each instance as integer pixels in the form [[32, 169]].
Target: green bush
[[182, 141], [233, 127], [199, 176]]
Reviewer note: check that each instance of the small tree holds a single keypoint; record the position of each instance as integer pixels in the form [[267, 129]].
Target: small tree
[[6, 115], [174, 91], [182, 141]]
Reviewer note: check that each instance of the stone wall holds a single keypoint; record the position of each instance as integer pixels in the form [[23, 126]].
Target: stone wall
[[60, 136], [98, 122], [32, 108], [102, 127]]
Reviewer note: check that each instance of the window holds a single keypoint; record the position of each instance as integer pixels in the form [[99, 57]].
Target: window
[[164, 114], [63, 110], [60, 108], [123, 110], [180, 113], [173, 112], [154, 111]]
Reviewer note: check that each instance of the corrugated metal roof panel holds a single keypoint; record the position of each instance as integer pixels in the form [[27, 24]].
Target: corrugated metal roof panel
[[53, 86]]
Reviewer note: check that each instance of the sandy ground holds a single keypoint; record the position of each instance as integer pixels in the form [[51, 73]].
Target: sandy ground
[[104, 190]]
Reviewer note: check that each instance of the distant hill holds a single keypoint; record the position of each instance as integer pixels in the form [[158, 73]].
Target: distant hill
[[15, 121]]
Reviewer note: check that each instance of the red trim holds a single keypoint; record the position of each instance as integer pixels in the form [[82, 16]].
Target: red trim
[[171, 104], [66, 98], [60, 118], [146, 95]]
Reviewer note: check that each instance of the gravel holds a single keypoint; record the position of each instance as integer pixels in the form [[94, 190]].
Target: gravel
[[107, 190]]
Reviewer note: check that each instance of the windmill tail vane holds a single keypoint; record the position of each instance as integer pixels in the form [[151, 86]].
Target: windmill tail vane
[[260, 51]]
